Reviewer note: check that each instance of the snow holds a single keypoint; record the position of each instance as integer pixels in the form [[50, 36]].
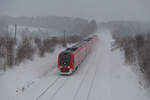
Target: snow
[[102, 76], [15, 81]]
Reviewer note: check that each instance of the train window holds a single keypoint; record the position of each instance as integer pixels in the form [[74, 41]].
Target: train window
[[72, 49], [65, 59]]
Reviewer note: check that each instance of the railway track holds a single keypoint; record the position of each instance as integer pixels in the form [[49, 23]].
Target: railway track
[[45, 90], [64, 81], [92, 83], [58, 89], [82, 81], [78, 89]]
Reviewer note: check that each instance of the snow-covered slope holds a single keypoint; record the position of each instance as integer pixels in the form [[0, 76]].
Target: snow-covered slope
[[102, 76]]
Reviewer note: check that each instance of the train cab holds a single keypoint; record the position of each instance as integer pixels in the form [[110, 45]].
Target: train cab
[[65, 62]]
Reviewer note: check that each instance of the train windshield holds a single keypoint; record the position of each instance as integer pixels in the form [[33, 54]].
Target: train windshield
[[65, 59]]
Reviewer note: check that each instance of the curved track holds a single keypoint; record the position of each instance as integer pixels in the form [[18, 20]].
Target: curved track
[[58, 80], [59, 88], [53, 83], [92, 83], [80, 84]]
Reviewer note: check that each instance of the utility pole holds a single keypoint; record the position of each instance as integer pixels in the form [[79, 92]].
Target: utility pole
[[15, 32], [65, 39]]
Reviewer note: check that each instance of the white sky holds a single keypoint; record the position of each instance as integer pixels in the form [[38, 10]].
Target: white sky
[[101, 10]]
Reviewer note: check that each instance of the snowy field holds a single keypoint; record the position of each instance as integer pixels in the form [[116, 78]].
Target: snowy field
[[102, 76]]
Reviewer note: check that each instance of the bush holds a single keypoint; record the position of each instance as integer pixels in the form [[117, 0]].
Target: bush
[[25, 50], [136, 49], [7, 44], [15, 52]]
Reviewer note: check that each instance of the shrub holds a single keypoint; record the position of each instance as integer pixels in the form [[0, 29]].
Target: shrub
[[136, 49], [25, 50]]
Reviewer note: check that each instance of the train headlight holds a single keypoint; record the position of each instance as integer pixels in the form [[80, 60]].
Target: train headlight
[[69, 67], [60, 66]]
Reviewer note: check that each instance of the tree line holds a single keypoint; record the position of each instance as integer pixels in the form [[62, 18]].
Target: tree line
[[136, 51]]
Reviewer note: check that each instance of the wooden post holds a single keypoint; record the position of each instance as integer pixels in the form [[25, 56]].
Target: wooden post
[[15, 32], [65, 39]]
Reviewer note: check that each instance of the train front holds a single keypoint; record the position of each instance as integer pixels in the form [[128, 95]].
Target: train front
[[65, 62]]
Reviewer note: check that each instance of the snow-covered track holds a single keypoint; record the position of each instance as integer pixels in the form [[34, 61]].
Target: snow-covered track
[[55, 81], [59, 79], [92, 83], [79, 86], [61, 86]]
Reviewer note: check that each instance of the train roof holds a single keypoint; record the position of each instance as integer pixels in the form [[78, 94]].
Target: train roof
[[75, 47], [79, 44]]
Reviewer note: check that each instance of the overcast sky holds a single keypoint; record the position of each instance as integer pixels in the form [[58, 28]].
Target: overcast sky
[[101, 10]]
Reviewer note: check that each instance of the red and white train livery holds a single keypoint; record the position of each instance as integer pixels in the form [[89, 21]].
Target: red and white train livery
[[71, 58]]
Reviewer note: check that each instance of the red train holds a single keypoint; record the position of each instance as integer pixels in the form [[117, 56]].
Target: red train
[[71, 58]]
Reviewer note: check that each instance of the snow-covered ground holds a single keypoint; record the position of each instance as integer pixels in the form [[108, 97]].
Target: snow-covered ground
[[102, 76]]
